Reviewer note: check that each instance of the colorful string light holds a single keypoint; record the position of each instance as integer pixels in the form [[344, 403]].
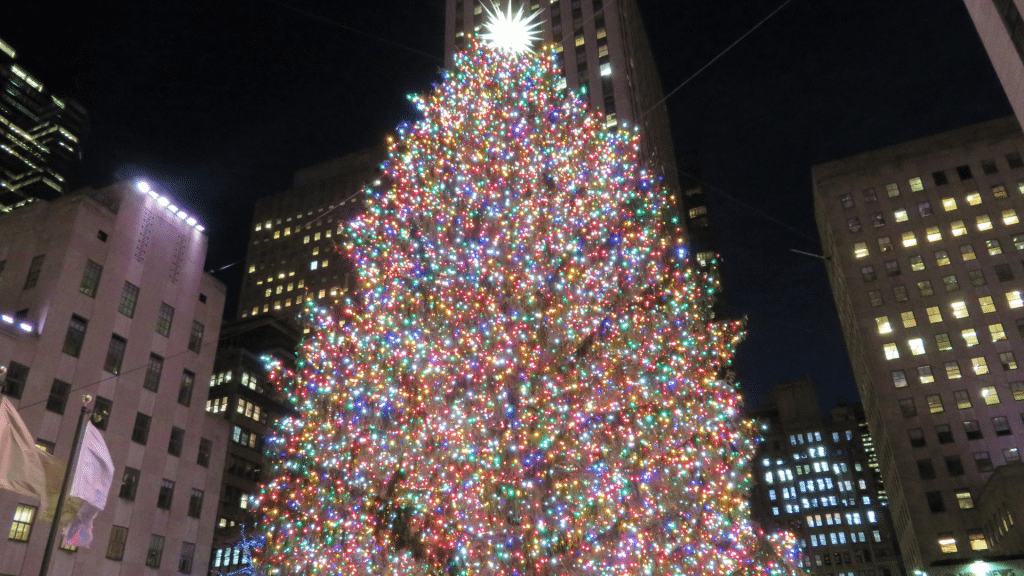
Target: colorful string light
[[527, 382]]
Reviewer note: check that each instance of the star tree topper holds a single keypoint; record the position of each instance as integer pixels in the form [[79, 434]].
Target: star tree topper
[[513, 33]]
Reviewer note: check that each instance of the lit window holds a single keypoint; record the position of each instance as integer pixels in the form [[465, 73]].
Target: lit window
[[989, 394], [962, 399], [21, 527], [277, 234], [942, 342], [993, 246], [883, 325], [952, 370], [981, 367], [934, 314], [933, 234], [579, 41], [916, 346], [860, 249], [963, 497], [909, 239], [959, 309], [891, 352], [934, 402], [909, 321], [942, 258], [947, 544], [997, 332], [974, 198], [1007, 361], [951, 283], [305, 239], [987, 306], [916, 185], [916, 263], [958, 228], [892, 189], [901, 215], [924, 373], [884, 244], [899, 379], [978, 541], [606, 69], [314, 265], [949, 204], [967, 252], [1013, 298], [970, 337]]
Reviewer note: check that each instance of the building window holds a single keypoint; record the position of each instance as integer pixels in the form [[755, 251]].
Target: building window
[[151, 381], [891, 352], [972, 430], [970, 337], [129, 298], [892, 268], [952, 370], [1003, 272], [203, 456], [964, 499], [907, 407], [164, 319], [962, 399], [925, 469], [188, 551], [1013, 299], [990, 395], [115, 354], [166, 495], [949, 204], [983, 461], [934, 314], [878, 221], [954, 466], [90, 279], [188, 380], [947, 543], [34, 269], [942, 342], [917, 263], [899, 379], [140, 431], [993, 246], [900, 293], [860, 250], [964, 172], [875, 298], [987, 306], [101, 412], [925, 208], [115, 546], [916, 185], [1011, 455], [1018, 241], [21, 526], [129, 483], [900, 215], [892, 189], [934, 402], [1017, 390], [985, 223], [1014, 160], [883, 325], [1001, 426], [977, 277], [977, 539], [177, 440], [951, 283], [916, 346], [967, 252], [195, 337], [940, 178], [868, 273], [909, 239], [1010, 217], [942, 258], [924, 373], [935, 502], [944, 433], [959, 309], [1007, 360], [195, 503], [958, 228], [155, 551], [916, 436], [75, 336], [925, 288], [58, 399], [980, 365]]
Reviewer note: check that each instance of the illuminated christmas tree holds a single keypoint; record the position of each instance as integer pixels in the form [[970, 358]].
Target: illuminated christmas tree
[[529, 380]]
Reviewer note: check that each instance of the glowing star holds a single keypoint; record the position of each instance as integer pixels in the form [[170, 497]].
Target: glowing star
[[512, 33]]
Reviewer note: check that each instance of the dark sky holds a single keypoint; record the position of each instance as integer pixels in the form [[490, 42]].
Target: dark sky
[[220, 102]]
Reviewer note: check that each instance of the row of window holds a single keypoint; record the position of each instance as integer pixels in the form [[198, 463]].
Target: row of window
[[955, 468], [935, 404], [925, 209], [861, 249], [74, 339], [130, 487], [843, 558], [972, 431], [839, 539], [952, 372], [1004, 271]]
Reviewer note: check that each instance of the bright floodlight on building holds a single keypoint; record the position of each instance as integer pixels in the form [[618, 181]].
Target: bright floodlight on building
[[142, 186], [512, 33]]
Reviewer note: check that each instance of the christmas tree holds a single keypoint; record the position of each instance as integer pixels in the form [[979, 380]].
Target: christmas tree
[[528, 381]]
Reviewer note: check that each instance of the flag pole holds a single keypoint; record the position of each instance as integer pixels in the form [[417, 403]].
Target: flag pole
[[45, 567]]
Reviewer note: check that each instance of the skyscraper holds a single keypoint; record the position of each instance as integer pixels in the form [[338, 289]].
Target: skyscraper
[[1001, 28], [923, 242], [102, 292], [40, 136], [604, 50]]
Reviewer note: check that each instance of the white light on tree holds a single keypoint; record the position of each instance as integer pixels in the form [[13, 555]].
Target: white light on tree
[[512, 32]]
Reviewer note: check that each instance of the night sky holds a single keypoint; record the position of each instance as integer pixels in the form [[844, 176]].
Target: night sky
[[221, 102]]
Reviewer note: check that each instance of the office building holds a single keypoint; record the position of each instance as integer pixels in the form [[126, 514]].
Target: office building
[[1001, 29], [40, 136], [817, 477], [242, 393], [924, 247], [296, 248], [604, 50], [102, 292]]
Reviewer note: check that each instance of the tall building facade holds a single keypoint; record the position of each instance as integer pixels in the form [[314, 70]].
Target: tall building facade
[[102, 293], [295, 249], [604, 51], [818, 478], [1001, 28], [40, 136], [241, 392], [924, 250]]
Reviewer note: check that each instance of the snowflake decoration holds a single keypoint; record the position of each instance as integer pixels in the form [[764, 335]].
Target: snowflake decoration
[[512, 33]]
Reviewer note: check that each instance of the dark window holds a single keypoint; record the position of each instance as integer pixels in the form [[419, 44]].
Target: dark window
[[870, 195], [1004, 273], [978, 277], [75, 336], [972, 430], [935, 502], [153, 370], [1001, 425], [129, 298], [58, 399], [925, 469], [3, 264], [101, 412], [1014, 160], [952, 285], [900, 293], [115, 546], [176, 441], [202, 298], [188, 381], [925, 208], [140, 432], [983, 461], [101, 235], [205, 448], [892, 268], [14, 382], [907, 407], [34, 269], [155, 551], [944, 433], [954, 465], [90, 279], [164, 319], [916, 437], [166, 495], [940, 178], [188, 551], [989, 167], [129, 483], [195, 338], [964, 172], [925, 287], [115, 354], [868, 273], [195, 503], [875, 297]]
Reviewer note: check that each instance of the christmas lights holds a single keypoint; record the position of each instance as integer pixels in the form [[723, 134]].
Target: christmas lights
[[527, 382]]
